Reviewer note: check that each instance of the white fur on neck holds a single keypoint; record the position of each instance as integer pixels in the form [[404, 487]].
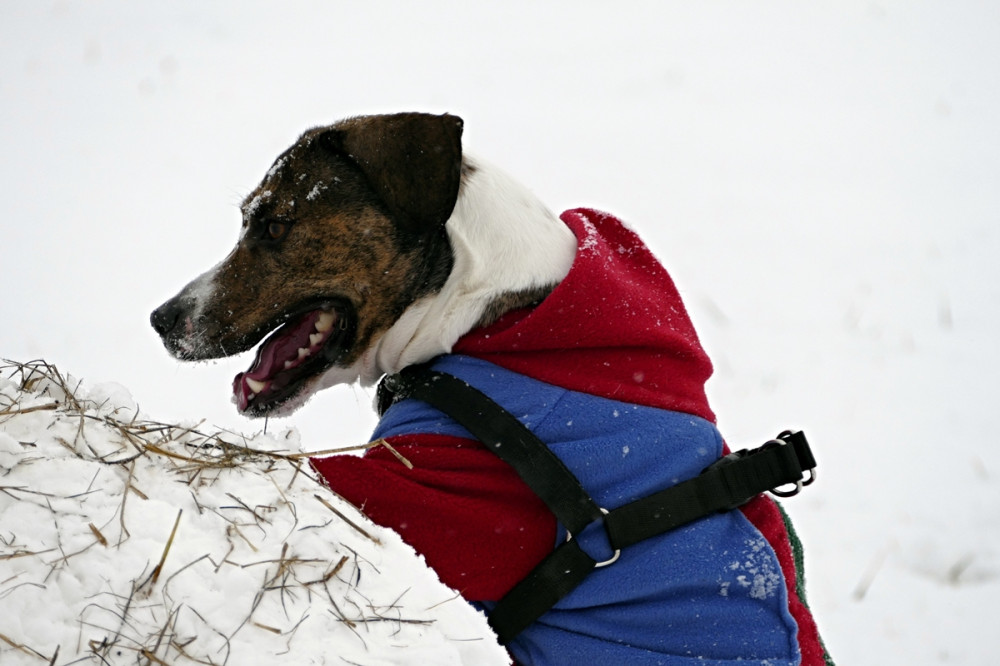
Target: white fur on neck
[[503, 240]]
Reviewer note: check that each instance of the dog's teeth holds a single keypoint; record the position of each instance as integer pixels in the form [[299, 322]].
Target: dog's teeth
[[325, 322], [255, 385], [303, 352], [315, 339], [288, 364]]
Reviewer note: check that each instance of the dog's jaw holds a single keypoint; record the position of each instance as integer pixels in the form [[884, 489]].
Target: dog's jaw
[[504, 241]]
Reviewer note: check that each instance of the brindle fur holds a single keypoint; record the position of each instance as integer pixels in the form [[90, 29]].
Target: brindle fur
[[364, 227]]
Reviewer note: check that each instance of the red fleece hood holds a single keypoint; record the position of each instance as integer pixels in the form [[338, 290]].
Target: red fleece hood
[[615, 327]]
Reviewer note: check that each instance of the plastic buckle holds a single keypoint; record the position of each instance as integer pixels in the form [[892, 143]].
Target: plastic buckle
[[799, 436], [798, 484]]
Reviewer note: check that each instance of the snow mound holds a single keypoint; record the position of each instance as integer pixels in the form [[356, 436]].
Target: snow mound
[[124, 540]]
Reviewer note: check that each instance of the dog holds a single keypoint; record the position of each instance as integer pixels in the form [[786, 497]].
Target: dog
[[377, 244]]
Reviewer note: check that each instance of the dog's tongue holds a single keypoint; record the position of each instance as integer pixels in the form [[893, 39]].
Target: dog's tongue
[[288, 348]]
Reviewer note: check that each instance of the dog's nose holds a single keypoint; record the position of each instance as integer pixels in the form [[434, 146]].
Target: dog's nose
[[164, 318]]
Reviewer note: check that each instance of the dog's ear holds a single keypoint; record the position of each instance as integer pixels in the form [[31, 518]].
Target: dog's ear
[[412, 160]]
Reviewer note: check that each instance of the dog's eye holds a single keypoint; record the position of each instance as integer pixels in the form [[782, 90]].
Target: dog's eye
[[276, 230]]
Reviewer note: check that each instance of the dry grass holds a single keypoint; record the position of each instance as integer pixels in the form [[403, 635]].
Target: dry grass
[[115, 626]]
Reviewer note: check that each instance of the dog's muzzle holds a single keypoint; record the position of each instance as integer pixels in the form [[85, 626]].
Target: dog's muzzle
[[173, 322]]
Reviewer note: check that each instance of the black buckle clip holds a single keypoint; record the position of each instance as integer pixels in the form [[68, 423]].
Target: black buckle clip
[[803, 456], [797, 439]]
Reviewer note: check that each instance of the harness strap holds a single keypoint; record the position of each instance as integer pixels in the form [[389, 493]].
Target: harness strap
[[727, 484], [503, 434]]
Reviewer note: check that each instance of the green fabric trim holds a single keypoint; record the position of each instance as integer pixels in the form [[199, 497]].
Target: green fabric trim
[[800, 570]]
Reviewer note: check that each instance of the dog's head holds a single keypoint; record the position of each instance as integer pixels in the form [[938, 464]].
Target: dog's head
[[344, 241]]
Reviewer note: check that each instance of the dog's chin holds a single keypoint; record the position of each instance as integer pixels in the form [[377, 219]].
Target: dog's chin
[[291, 360]]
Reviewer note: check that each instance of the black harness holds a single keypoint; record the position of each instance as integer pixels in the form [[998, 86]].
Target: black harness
[[727, 484]]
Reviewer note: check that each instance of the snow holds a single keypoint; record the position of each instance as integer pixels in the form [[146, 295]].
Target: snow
[[819, 178], [255, 203], [316, 190], [123, 537]]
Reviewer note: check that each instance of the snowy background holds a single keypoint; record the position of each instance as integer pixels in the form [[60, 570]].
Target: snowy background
[[822, 179]]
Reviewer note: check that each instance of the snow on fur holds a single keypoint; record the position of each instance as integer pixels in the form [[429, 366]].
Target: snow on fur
[[127, 541]]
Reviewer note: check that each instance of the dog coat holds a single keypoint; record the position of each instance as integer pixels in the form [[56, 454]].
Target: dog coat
[[608, 371]]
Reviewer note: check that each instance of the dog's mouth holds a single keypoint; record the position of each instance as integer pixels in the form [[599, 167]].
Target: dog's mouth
[[290, 357]]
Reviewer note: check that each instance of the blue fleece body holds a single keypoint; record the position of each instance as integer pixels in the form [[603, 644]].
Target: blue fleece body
[[709, 593]]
